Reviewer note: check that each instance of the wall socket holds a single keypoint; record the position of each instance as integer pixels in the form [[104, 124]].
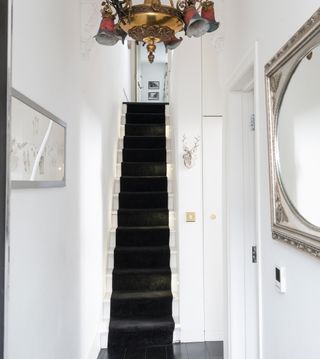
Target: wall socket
[[190, 216]]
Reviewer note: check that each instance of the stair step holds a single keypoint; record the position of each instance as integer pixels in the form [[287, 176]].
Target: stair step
[[144, 142], [166, 134], [135, 200], [119, 173], [144, 155], [137, 304], [144, 184], [143, 169], [141, 279], [174, 283], [110, 261], [135, 296], [140, 332], [115, 219], [145, 107], [145, 130], [143, 236], [141, 257], [143, 217], [159, 118], [168, 155], [115, 202]]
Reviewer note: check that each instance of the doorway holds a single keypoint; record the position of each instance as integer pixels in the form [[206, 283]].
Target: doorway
[[151, 81], [240, 216]]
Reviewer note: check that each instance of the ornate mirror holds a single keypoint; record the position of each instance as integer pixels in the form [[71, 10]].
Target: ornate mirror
[[293, 101]]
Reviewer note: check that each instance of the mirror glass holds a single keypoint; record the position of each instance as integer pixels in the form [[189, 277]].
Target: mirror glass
[[299, 138]]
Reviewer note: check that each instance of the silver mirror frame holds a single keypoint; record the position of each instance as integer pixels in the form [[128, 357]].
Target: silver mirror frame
[[287, 224]]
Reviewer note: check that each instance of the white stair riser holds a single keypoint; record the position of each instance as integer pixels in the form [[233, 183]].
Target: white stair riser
[[104, 337], [177, 333], [119, 156], [173, 261], [169, 170], [117, 186], [115, 202], [114, 220], [112, 242]]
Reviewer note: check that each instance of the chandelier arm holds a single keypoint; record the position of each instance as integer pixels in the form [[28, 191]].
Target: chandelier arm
[[118, 6]]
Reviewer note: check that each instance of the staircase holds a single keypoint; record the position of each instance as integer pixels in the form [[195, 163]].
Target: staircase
[[141, 300]]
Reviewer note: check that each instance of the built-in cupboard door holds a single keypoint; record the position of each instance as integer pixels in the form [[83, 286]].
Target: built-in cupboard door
[[212, 230]]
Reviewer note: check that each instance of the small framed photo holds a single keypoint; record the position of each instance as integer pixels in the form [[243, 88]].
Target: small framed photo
[[153, 85], [38, 145], [153, 96]]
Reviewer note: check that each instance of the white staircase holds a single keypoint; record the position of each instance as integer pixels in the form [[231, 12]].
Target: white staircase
[[174, 260]]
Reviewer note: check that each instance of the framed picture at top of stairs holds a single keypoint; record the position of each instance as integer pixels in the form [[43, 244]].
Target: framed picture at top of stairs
[[38, 145], [293, 88]]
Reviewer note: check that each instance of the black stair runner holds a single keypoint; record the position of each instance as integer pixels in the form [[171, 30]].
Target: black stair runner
[[141, 301]]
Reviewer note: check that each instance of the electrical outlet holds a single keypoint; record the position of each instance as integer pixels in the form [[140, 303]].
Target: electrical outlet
[[190, 216]]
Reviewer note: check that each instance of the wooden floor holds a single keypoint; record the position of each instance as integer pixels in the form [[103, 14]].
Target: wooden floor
[[207, 350]]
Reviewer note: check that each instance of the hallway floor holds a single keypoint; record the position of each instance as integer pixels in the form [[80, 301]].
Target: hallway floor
[[207, 350]]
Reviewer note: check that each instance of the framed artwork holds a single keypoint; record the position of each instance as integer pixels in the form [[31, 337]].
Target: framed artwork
[[153, 96], [153, 85], [38, 145]]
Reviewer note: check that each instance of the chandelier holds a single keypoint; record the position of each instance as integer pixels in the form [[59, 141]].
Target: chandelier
[[152, 22]]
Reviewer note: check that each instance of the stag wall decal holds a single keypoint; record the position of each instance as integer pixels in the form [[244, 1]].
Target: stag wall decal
[[189, 153]]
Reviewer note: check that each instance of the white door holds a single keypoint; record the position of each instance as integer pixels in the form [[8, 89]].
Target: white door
[[241, 227], [212, 229], [251, 302]]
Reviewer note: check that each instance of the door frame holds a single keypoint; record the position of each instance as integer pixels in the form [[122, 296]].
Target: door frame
[[5, 83], [244, 78]]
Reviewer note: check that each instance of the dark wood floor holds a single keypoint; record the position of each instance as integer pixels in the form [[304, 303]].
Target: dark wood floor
[[207, 350]]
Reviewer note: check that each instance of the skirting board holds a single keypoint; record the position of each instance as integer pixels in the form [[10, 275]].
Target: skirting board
[[214, 336], [95, 348], [191, 336]]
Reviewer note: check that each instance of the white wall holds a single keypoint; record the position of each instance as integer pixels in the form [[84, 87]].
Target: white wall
[[290, 325], [152, 72], [57, 235], [193, 86]]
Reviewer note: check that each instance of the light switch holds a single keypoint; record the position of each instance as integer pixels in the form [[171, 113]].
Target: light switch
[[280, 279], [190, 216]]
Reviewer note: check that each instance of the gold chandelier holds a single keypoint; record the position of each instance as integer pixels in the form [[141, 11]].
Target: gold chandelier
[[152, 22]]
